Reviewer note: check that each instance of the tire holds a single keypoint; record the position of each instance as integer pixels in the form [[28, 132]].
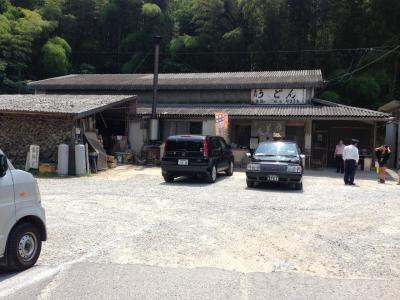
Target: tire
[[298, 186], [229, 171], [212, 175], [23, 247], [168, 178], [250, 183]]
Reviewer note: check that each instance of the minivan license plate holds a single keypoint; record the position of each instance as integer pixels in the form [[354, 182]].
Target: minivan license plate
[[183, 162], [272, 178]]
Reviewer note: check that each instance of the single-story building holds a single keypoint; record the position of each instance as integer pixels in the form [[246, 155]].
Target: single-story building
[[393, 131], [50, 120], [258, 104]]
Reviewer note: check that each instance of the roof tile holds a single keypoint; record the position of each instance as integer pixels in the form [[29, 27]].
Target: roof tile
[[186, 81]]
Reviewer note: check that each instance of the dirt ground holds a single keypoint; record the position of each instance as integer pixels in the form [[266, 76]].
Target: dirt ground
[[131, 216]]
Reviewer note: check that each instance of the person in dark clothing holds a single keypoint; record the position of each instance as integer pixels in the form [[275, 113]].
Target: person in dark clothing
[[382, 156], [338, 155]]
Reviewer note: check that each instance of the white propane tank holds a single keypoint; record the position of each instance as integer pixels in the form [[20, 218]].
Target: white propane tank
[[63, 157], [80, 160], [154, 129]]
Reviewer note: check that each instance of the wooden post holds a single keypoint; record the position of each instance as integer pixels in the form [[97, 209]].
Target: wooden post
[[87, 158], [374, 145]]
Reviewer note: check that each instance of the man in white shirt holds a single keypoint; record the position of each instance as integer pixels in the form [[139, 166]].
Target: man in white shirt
[[350, 158]]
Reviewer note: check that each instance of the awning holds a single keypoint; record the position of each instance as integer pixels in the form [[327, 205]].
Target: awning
[[316, 110]]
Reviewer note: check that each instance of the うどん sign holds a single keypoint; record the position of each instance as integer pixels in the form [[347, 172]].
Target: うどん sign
[[278, 96]]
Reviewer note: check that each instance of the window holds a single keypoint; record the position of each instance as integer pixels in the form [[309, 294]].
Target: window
[[196, 127], [215, 144], [176, 145], [223, 144], [277, 149], [242, 135]]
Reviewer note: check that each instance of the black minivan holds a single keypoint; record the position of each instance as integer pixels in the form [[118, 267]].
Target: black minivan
[[276, 162], [196, 155]]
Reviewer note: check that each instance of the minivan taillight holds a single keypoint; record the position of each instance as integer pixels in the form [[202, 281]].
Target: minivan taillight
[[165, 149], [205, 148]]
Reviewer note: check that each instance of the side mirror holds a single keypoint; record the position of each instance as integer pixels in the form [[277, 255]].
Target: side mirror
[[3, 165], [248, 155]]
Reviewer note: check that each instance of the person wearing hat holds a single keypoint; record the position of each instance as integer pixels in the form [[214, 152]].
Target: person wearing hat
[[276, 136], [382, 155], [350, 158]]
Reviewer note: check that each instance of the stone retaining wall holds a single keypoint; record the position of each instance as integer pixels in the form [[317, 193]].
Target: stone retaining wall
[[18, 132]]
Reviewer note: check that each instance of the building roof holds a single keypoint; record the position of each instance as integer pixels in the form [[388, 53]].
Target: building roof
[[63, 105], [391, 106], [317, 110], [184, 81]]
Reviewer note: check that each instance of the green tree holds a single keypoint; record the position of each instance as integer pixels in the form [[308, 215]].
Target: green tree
[[55, 57]]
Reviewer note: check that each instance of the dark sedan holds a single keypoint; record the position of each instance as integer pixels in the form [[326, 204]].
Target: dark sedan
[[276, 162]]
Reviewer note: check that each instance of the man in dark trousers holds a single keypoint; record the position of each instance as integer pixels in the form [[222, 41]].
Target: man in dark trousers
[[350, 157]]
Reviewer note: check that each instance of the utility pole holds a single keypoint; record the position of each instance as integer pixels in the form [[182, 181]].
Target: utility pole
[[154, 121]]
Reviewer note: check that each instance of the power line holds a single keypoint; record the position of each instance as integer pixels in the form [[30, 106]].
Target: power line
[[376, 49], [348, 74]]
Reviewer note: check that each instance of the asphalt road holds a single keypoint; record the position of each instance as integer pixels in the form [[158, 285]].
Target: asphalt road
[[126, 234]]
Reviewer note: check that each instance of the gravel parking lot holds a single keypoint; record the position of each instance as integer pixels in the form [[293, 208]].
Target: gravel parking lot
[[130, 217]]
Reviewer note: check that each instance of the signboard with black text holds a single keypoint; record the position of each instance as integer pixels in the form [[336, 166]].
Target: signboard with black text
[[278, 96]]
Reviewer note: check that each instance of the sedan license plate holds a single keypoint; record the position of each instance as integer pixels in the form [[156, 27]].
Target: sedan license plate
[[183, 162], [272, 178]]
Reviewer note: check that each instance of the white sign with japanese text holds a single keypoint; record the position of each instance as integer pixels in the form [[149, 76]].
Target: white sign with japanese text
[[278, 96]]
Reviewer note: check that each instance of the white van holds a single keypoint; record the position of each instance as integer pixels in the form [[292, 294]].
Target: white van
[[22, 218]]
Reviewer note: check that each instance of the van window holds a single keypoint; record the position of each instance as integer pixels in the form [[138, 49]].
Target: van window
[[179, 145]]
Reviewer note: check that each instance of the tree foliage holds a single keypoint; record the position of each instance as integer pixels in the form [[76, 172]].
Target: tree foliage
[[41, 38], [55, 57]]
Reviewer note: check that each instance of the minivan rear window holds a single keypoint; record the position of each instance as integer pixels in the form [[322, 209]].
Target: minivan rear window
[[182, 145]]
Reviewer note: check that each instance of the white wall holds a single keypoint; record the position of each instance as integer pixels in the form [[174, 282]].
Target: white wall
[[137, 136], [266, 129], [209, 127]]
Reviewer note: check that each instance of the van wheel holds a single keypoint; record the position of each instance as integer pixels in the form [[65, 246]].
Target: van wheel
[[212, 175], [298, 186], [24, 246], [168, 178], [229, 171], [250, 183]]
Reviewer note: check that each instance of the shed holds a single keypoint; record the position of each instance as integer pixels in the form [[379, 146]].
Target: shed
[[49, 120]]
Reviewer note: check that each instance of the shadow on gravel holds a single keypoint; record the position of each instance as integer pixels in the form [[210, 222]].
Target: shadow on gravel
[[4, 274], [276, 187], [194, 181], [331, 173]]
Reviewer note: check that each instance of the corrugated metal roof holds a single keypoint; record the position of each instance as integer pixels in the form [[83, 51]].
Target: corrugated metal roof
[[184, 81], [76, 105], [318, 109], [391, 106]]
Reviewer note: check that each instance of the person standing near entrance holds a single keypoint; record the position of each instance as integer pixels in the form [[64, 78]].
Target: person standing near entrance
[[382, 155], [350, 158], [338, 155]]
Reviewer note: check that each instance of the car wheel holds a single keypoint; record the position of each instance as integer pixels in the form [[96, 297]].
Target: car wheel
[[250, 183], [168, 178], [212, 175], [229, 171], [24, 246], [298, 186]]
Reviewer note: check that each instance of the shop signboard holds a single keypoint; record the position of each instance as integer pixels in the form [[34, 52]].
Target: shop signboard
[[278, 96], [221, 124]]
